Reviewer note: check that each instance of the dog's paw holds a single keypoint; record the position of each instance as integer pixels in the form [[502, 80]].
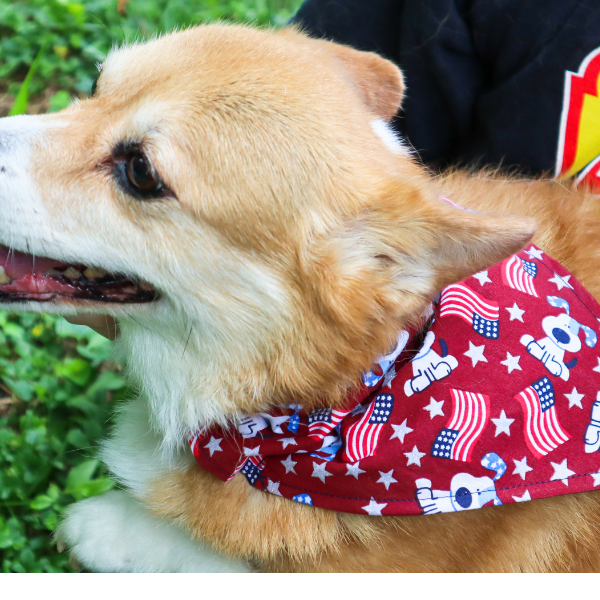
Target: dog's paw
[[93, 532], [441, 370], [115, 533]]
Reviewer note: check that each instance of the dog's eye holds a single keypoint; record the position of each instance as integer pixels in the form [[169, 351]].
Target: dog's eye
[[141, 175], [135, 173]]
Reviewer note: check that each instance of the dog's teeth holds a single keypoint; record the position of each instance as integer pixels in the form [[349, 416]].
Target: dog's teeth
[[72, 273], [4, 278], [94, 272], [53, 273], [146, 286]]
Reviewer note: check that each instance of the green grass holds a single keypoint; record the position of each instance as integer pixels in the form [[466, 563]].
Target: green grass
[[22, 100], [77, 34], [57, 386]]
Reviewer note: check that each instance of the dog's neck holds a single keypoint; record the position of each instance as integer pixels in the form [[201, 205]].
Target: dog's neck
[[186, 378]]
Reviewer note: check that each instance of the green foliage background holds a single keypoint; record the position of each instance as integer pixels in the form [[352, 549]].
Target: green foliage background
[[77, 34], [57, 384]]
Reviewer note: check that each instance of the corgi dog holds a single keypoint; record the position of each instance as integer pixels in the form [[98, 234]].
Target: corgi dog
[[235, 198]]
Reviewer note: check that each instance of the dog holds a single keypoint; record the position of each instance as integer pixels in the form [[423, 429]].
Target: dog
[[429, 366], [562, 336], [466, 493], [235, 198]]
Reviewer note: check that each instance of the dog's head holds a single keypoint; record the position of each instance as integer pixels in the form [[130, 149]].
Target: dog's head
[[468, 492], [563, 330], [237, 193]]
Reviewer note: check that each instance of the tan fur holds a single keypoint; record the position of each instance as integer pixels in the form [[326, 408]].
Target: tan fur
[[380, 84], [308, 245], [308, 193], [555, 534]]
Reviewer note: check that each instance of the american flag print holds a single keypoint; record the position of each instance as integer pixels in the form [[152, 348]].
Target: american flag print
[[519, 274], [363, 436], [482, 314], [470, 415], [543, 433], [251, 469], [321, 421]]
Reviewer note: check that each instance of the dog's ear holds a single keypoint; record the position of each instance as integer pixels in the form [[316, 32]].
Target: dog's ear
[[378, 81], [373, 271], [462, 243], [406, 247]]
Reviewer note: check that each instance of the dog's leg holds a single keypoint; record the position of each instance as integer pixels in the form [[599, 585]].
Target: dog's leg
[[443, 369], [532, 347], [557, 368], [425, 498], [592, 433], [115, 533], [421, 381]]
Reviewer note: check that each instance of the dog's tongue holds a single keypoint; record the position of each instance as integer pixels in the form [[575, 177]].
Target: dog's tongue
[[18, 264], [39, 278]]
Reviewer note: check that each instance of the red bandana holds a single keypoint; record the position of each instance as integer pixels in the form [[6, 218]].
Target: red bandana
[[499, 405]]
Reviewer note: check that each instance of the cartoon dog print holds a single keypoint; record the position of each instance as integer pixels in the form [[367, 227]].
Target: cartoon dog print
[[250, 426], [562, 336], [592, 433], [428, 366], [466, 491]]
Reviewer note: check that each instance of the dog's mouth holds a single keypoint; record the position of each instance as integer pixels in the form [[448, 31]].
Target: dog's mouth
[[24, 277]]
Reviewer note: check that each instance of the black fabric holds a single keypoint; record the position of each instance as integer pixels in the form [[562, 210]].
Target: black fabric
[[485, 78]]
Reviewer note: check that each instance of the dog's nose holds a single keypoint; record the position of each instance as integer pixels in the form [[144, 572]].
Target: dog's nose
[[561, 336], [463, 497]]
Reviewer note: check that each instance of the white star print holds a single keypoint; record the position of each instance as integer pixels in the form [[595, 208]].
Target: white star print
[[482, 277], [287, 442], [475, 353], [374, 509], [389, 377], [597, 369], [511, 362], [387, 479], [575, 398], [535, 253], [320, 472], [214, 446], [561, 282], [354, 470], [414, 457], [434, 408], [521, 467], [561, 472], [516, 313], [596, 477], [502, 424], [401, 430], [273, 487], [252, 451], [524, 498], [289, 464]]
